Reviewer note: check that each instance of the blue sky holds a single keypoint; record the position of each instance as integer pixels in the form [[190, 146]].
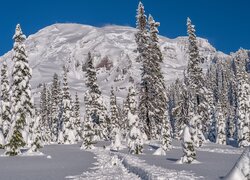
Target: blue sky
[[225, 23]]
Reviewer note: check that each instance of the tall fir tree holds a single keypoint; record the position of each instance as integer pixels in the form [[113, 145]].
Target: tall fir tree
[[77, 122], [195, 82], [135, 134], [22, 107], [115, 128], [55, 107], [152, 102], [88, 125], [68, 120], [243, 89], [180, 111], [5, 100], [44, 112], [97, 108], [221, 125]]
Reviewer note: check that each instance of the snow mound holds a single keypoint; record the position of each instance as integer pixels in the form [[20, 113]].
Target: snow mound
[[241, 170], [160, 152], [30, 153], [193, 162]]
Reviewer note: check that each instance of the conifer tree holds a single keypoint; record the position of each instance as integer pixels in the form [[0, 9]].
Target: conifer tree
[[97, 108], [141, 37], [188, 146], [22, 107], [115, 134], [152, 101], [68, 120], [5, 100], [243, 89], [37, 141], [221, 125], [195, 81], [165, 135], [44, 111], [55, 107], [88, 126], [77, 122], [180, 112], [135, 134]]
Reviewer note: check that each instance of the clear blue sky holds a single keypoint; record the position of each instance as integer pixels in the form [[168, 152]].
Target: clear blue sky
[[225, 23]]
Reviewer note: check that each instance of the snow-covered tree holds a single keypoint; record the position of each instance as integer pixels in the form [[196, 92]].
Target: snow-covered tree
[[88, 125], [135, 134], [152, 99], [115, 128], [195, 78], [180, 111], [166, 134], [16, 141], [44, 111], [22, 107], [96, 107], [135, 139], [221, 125], [36, 138], [55, 88], [68, 121], [188, 147], [141, 37], [243, 87], [77, 122], [5, 100]]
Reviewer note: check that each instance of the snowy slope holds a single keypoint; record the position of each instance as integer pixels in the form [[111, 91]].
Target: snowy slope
[[68, 44]]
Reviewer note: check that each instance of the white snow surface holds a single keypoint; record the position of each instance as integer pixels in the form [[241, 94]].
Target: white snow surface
[[241, 170], [108, 167], [68, 44]]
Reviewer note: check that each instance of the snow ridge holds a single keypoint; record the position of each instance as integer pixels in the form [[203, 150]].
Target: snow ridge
[[108, 167], [148, 172]]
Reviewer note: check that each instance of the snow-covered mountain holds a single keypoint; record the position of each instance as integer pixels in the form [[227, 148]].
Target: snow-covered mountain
[[113, 48]]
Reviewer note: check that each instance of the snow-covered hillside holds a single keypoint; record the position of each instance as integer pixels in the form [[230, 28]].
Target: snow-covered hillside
[[114, 53]]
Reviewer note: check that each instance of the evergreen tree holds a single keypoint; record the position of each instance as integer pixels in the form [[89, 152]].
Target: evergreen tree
[[5, 100], [44, 111], [180, 112], [221, 126], [37, 141], [16, 140], [188, 147], [55, 107], [243, 99], [97, 108], [135, 141], [152, 101], [211, 123], [22, 107], [195, 81], [124, 114], [114, 121], [166, 139], [141, 37], [77, 122], [135, 134], [88, 125], [68, 120]]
